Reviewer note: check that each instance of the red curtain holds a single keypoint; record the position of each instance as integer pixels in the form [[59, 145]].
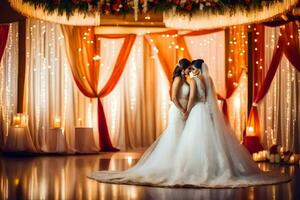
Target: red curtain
[[288, 45], [3, 38]]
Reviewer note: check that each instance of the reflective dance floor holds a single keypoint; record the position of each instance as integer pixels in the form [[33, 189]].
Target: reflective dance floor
[[64, 177]]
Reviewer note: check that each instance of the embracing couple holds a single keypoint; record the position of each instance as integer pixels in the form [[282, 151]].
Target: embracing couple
[[198, 148]]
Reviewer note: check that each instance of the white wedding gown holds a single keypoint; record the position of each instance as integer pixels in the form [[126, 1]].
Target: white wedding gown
[[201, 152]]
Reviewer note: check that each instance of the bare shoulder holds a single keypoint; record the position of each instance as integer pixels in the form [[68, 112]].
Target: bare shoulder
[[177, 80], [201, 77], [192, 81]]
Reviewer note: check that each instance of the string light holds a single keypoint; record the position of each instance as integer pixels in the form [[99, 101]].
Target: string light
[[8, 78]]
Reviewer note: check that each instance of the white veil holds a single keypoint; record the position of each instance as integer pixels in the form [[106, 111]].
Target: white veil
[[223, 128]]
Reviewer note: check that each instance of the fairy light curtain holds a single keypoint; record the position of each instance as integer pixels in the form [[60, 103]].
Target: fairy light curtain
[[136, 109], [277, 96], [8, 77], [235, 105], [167, 48], [230, 81], [49, 86], [209, 46]]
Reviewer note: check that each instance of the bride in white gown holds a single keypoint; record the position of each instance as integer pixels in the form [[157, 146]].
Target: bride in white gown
[[201, 152], [208, 154]]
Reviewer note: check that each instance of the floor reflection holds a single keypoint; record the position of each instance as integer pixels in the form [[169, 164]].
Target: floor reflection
[[64, 177]]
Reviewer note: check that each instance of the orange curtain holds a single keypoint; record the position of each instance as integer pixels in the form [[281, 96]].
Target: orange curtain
[[82, 49], [170, 48], [237, 60]]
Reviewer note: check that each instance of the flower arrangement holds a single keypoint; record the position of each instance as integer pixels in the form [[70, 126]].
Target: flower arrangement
[[123, 7]]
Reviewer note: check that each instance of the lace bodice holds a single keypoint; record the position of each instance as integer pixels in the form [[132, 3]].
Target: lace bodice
[[200, 89], [184, 91]]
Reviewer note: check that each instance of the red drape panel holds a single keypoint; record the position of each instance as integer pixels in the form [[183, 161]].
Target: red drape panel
[[3, 38], [258, 60], [288, 45]]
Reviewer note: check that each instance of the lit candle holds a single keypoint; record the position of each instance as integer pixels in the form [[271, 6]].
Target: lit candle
[[57, 122], [250, 131], [20, 119], [79, 122], [255, 156], [129, 160], [260, 156], [16, 121], [281, 150], [292, 159]]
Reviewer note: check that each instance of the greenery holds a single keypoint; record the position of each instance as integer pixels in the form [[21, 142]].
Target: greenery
[[123, 7]]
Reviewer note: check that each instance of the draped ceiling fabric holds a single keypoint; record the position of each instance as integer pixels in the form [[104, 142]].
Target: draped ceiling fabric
[[84, 61], [8, 77], [280, 121]]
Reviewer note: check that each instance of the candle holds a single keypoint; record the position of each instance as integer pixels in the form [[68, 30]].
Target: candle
[[281, 150], [16, 121], [250, 131], [292, 159], [261, 156], [254, 156], [20, 119], [57, 122], [79, 122]]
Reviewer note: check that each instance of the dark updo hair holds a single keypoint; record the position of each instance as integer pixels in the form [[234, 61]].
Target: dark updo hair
[[182, 65], [198, 63]]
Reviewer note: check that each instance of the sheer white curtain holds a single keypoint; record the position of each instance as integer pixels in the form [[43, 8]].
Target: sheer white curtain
[[136, 110], [133, 121], [279, 111], [211, 48], [238, 107], [49, 87], [9, 81]]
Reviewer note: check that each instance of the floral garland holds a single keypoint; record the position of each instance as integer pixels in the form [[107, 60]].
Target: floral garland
[[123, 7]]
